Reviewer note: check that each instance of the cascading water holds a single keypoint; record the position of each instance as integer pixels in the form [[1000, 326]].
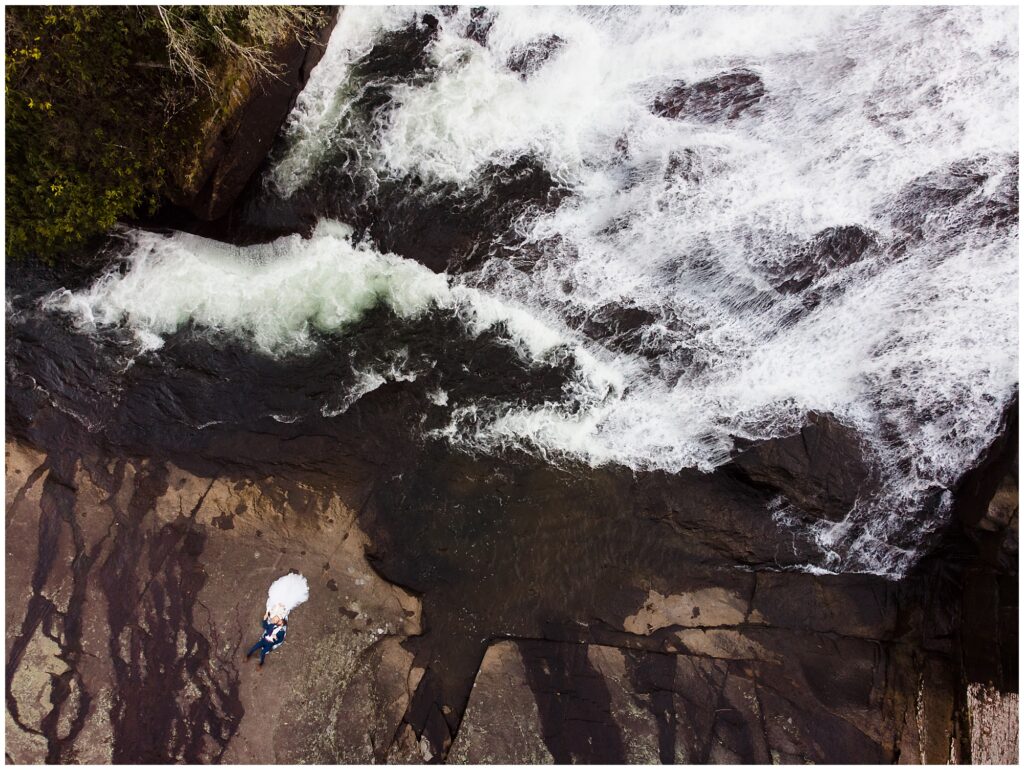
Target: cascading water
[[841, 237]]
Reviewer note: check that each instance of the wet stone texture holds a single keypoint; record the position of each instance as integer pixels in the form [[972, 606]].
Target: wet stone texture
[[723, 97], [759, 685], [134, 588]]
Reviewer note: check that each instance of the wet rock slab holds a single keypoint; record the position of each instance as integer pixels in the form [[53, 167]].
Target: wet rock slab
[[618, 596], [134, 589], [541, 701]]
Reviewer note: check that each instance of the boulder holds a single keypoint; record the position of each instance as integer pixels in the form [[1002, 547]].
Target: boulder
[[723, 97], [689, 165], [446, 228], [401, 56], [936, 191], [822, 469], [618, 326], [527, 59], [480, 22], [831, 249], [976, 192], [1002, 208]]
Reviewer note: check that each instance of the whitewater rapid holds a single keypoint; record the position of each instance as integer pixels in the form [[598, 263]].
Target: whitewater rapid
[[871, 117]]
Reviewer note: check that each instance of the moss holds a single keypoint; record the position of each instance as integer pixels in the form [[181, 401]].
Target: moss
[[103, 101]]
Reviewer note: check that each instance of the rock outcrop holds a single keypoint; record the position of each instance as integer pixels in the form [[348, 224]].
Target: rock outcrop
[[233, 141], [724, 97], [994, 719], [134, 589], [443, 225], [822, 469], [526, 60], [831, 249], [479, 27], [752, 693], [968, 193]]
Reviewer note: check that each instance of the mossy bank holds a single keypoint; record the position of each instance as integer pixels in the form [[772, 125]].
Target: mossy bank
[[113, 111]]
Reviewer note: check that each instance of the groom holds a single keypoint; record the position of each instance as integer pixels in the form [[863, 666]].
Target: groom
[[274, 629]]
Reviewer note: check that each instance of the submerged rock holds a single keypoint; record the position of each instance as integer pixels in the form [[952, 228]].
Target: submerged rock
[[1001, 209], [957, 197], [454, 229], [401, 56], [725, 96], [618, 326], [480, 22], [822, 469], [831, 249]]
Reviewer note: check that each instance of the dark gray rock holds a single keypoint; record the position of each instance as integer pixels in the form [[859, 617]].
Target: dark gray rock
[[976, 192], [527, 59], [831, 249], [618, 326], [725, 96], [864, 606], [480, 22], [822, 469], [401, 56]]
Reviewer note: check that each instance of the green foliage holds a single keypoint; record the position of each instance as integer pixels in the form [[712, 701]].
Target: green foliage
[[101, 99]]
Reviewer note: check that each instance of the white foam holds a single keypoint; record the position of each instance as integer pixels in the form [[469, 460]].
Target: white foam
[[276, 295], [861, 102], [919, 343], [326, 98]]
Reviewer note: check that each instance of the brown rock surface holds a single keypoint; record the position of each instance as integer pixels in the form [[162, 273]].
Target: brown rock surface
[[542, 701], [650, 618], [134, 587], [822, 469], [994, 719], [130, 608]]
